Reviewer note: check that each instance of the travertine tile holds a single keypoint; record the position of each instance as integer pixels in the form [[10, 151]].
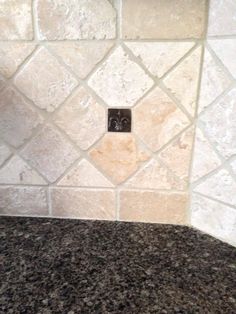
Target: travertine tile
[[225, 49], [4, 153], [75, 19], [177, 155], [148, 206], [183, 80], [157, 119], [17, 118], [82, 118], [118, 155], [17, 171], [2, 83], [219, 124], [205, 159], [222, 16], [12, 55], [45, 81], [120, 81], [23, 201], [153, 175], [82, 203], [159, 57], [16, 19], [220, 186], [215, 218], [81, 57], [233, 166], [214, 81], [158, 19], [50, 153], [85, 174]]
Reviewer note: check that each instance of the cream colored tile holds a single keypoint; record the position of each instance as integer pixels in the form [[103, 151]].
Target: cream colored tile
[[233, 165], [82, 118], [4, 153], [157, 119], [83, 204], [148, 206], [75, 19]]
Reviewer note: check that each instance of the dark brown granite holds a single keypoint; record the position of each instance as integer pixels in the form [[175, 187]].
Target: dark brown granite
[[70, 266]]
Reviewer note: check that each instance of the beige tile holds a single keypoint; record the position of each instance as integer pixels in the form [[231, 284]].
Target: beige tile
[[2, 83], [178, 154], [81, 57], [16, 20], [76, 19], [23, 201], [220, 186], [4, 153], [120, 81], [158, 19], [45, 81], [83, 204], [159, 57], [222, 16], [50, 153], [12, 55], [214, 81], [82, 118], [182, 82], [157, 119], [148, 206], [17, 118], [85, 174], [118, 155], [153, 175], [17, 171], [205, 159]]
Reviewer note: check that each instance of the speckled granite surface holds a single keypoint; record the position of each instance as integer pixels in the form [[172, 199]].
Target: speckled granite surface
[[71, 266]]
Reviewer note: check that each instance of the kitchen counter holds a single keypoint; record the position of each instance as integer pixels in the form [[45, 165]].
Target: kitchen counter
[[71, 266]]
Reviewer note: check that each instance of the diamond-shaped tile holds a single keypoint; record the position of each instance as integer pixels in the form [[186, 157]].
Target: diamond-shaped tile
[[50, 153], [120, 81], [118, 155], [159, 57], [17, 118], [4, 153], [157, 119], [45, 81], [82, 118], [12, 55], [81, 57]]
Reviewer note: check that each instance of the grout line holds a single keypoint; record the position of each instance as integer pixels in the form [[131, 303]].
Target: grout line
[[215, 200]]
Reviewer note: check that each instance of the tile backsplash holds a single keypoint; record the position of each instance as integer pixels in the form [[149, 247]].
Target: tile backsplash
[[64, 63]]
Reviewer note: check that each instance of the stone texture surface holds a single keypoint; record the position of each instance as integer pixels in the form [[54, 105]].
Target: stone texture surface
[[118, 155], [17, 171], [157, 119], [214, 218], [75, 19], [233, 166], [150, 206], [45, 81], [159, 57], [85, 174], [23, 201], [81, 57], [120, 81], [222, 17], [2, 83], [12, 55], [82, 203], [50, 153], [17, 118], [82, 118], [16, 20], [205, 159], [220, 186], [177, 155], [182, 82], [5, 153], [160, 19], [219, 123], [214, 81]]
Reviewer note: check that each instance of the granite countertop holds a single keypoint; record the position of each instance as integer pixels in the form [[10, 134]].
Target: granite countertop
[[70, 266]]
